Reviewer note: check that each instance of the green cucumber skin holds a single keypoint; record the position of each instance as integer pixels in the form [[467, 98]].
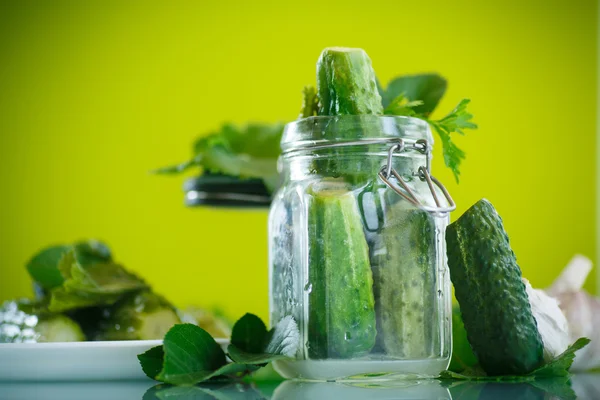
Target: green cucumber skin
[[341, 304], [346, 83], [128, 319], [493, 302], [404, 274]]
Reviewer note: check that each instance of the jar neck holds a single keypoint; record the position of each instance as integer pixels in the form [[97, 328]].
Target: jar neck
[[360, 164]]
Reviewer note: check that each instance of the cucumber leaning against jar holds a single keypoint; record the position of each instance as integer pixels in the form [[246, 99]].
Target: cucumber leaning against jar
[[487, 281], [341, 305]]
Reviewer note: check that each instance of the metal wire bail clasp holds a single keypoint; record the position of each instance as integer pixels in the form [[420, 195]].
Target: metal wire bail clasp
[[404, 190]]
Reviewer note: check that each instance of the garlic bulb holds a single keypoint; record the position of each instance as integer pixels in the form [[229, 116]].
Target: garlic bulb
[[583, 314], [551, 322], [581, 309], [572, 277]]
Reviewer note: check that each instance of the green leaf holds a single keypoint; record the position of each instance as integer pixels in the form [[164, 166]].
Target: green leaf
[[558, 367], [417, 96], [98, 284], [249, 334], [428, 88], [208, 391], [225, 373], [561, 364], [310, 102], [106, 278], [281, 342], [249, 151], [284, 339], [191, 355], [555, 388], [179, 168], [465, 390], [62, 300], [168, 392], [66, 262], [259, 359], [246, 152], [91, 252], [233, 369], [401, 105], [456, 121], [43, 267], [453, 156], [152, 361]]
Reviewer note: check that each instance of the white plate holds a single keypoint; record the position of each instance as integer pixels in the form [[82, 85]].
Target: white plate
[[75, 361]]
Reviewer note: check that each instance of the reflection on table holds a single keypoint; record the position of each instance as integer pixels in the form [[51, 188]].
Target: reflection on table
[[586, 387]]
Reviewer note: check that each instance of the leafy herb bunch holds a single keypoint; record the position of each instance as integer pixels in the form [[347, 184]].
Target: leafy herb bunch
[[251, 151]]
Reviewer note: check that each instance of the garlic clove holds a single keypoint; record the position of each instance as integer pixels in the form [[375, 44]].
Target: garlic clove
[[551, 321]]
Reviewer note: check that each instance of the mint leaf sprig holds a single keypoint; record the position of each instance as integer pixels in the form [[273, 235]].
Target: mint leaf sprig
[[80, 275], [189, 355], [249, 151]]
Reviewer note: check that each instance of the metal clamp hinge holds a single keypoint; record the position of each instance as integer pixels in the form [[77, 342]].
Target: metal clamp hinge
[[387, 172]]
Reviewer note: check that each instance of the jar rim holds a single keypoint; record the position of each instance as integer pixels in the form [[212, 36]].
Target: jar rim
[[353, 129]]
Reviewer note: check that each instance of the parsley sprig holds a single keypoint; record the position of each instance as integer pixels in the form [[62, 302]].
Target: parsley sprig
[[417, 96]]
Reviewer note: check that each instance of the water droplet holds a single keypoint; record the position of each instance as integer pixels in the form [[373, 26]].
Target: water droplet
[[308, 287], [440, 294], [348, 336]]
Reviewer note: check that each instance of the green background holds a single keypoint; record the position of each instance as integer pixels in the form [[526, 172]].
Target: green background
[[94, 94]]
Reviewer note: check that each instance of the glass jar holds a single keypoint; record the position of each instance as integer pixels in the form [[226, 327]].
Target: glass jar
[[357, 253]]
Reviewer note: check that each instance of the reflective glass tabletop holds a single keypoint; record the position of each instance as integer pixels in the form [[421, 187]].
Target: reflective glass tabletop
[[580, 386]]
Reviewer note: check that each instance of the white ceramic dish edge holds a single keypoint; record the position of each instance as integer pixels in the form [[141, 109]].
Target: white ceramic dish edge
[[75, 361]]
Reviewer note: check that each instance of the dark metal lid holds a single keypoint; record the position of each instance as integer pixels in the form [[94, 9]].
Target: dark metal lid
[[218, 190]]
